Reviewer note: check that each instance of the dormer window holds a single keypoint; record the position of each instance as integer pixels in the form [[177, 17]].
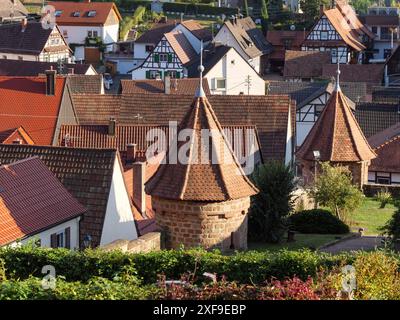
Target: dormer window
[[58, 13], [76, 14], [92, 13]]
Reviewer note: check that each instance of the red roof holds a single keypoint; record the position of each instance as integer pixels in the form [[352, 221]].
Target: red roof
[[25, 103], [101, 9], [32, 200], [15, 135]]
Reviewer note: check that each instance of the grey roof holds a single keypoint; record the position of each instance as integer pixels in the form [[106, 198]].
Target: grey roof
[[212, 54], [376, 117], [12, 9], [304, 91], [249, 37], [85, 83], [155, 34], [386, 95]]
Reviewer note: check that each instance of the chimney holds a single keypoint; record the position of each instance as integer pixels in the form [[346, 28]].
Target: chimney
[[333, 4], [24, 24], [167, 84], [139, 179], [71, 70], [111, 126], [50, 81], [131, 149], [321, 9]]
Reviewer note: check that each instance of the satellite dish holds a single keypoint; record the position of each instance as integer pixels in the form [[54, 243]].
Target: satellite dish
[[292, 27]]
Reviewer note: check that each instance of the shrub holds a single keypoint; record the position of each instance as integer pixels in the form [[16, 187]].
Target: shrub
[[384, 197], [317, 221], [273, 203], [392, 227]]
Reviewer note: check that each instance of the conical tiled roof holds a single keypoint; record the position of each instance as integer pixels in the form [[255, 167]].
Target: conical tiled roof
[[201, 178], [336, 134]]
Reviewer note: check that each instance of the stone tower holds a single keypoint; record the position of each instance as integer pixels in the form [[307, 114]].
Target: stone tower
[[339, 140], [204, 199]]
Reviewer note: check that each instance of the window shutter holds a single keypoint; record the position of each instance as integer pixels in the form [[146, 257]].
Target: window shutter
[[147, 74], [68, 238], [156, 57], [53, 240], [169, 57], [178, 75]]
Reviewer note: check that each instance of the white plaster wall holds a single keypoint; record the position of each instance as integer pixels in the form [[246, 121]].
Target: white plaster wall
[[302, 131], [78, 34], [235, 74], [45, 239], [289, 140], [119, 222], [25, 57], [111, 33], [139, 51]]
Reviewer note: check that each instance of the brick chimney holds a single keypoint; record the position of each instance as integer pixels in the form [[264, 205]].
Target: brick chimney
[[131, 149], [111, 126], [167, 84], [50, 81], [139, 179]]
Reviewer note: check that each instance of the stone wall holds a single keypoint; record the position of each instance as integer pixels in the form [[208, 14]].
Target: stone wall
[[149, 242], [221, 225]]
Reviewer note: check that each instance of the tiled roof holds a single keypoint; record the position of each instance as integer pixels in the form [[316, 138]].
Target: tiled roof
[[198, 30], [68, 8], [218, 178], [85, 173], [249, 37], [336, 134], [369, 73], [16, 134], [277, 38], [24, 103], [381, 20], [178, 86], [10, 67], [386, 144], [302, 91], [96, 136], [181, 45], [268, 113], [32, 200], [9, 8], [31, 41], [85, 83], [386, 95], [376, 117], [155, 34], [305, 64], [211, 56]]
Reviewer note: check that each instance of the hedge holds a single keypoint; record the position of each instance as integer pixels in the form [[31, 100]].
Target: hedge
[[244, 267]]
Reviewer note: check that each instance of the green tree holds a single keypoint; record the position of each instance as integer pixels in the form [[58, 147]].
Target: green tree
[[311, 9], [392, 227], [334, 189], [246, 8], [264, 10], [361, 6], [271, 206]]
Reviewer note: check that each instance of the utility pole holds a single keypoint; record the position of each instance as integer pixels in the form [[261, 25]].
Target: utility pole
[[248, 84]]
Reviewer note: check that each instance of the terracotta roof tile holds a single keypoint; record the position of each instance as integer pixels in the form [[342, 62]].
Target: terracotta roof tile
[[181, 45], [32, 200], [178, 86], [198, 30], [369, 73], [157, 31], [85, 83], [85, 173], [305, 64], [24, 103], [336, 134], [17, 134], [102, 9], [201, 180], [269, 114]]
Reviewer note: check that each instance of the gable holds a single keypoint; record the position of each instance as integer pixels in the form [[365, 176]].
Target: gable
[[322, 28]]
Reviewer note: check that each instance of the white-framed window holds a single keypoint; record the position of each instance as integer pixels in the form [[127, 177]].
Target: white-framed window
[[220, 83], [171, 73], [60, 240], [92, 13], [90, 33], [76, 14], [154, 74], [149, 48], [65, 33], [163, 57], [324, 35], [58, 13], [95, 34]]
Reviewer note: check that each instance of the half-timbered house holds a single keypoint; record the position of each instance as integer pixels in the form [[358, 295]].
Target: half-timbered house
[[340, 32], [169, 57]]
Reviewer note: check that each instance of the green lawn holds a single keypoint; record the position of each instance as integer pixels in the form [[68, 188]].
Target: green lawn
[[370, 217], [311, 241]]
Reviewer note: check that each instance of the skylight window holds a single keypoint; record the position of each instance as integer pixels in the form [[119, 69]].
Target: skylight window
[[76, 14], [58, 13], [91, 13]]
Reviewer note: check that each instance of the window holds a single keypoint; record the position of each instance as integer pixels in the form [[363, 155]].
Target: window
[[163, 43], [375, 30], [92, 13], [163, 57], [153, 74], [90, 34], [173, 74], [95, 34], [20, 58], [60, 240], [149, 48], [220, 84], [383, 178], [387, 53], [4, 57], [65, 33], [58, 13], [76, 14], [287, 43], [324, 35]]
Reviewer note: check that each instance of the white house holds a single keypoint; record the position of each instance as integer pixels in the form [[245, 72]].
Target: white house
[[36, 207], [94, 177], [170, 57], [12, 10], [79, 21], [30, 41], [227, 72], [247, 39]]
